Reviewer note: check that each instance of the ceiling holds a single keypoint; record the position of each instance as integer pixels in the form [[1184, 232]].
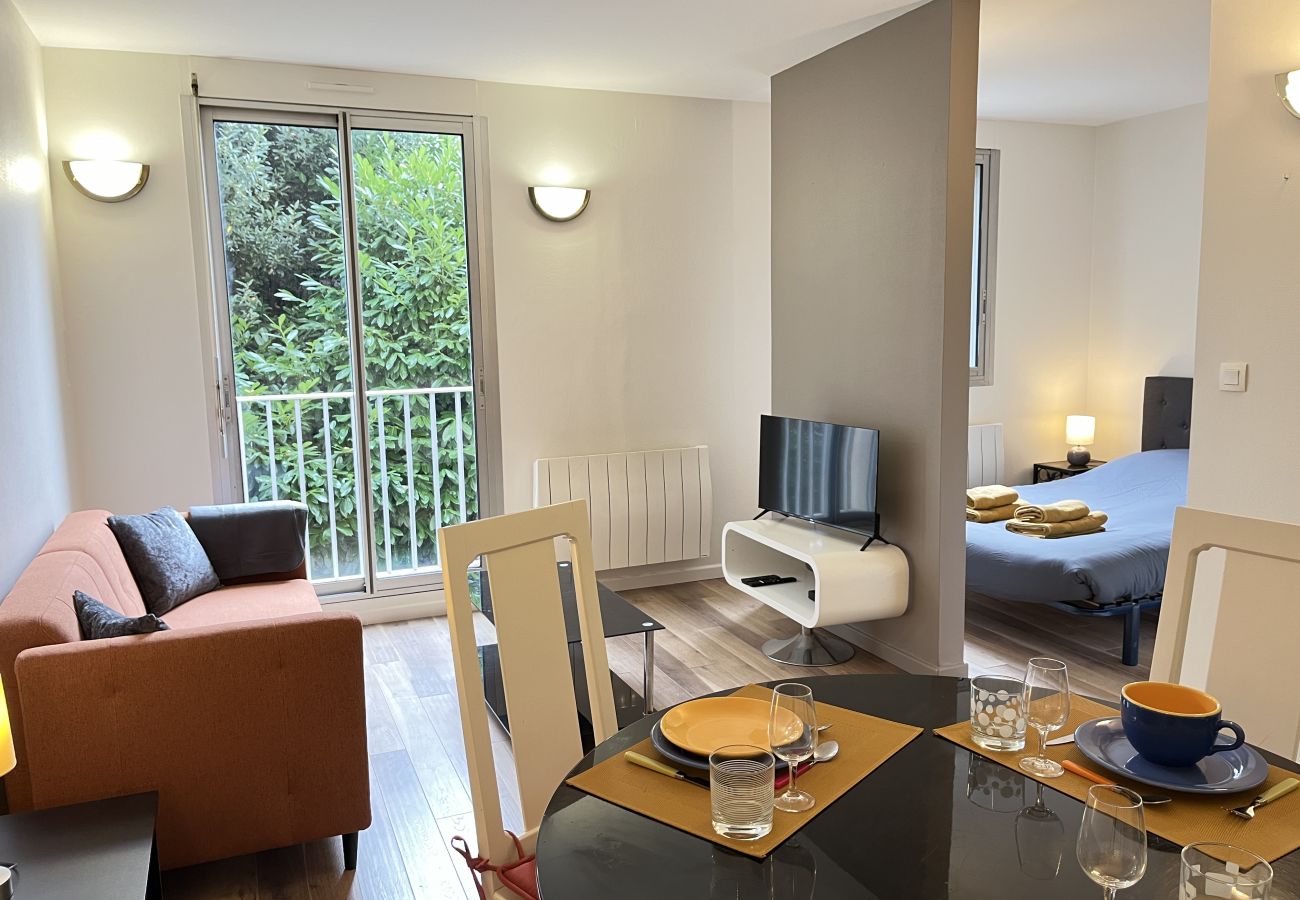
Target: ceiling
[[1077, 61]]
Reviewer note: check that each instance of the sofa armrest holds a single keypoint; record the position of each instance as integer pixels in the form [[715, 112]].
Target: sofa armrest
[[245, 542], [253, 733]]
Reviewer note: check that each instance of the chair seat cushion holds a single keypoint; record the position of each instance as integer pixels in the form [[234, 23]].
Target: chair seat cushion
[[247, 602]]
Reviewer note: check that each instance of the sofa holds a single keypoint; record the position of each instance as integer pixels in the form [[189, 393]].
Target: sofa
[[247, 716]]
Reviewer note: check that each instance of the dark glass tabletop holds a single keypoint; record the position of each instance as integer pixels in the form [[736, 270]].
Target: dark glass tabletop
[[935, 821]]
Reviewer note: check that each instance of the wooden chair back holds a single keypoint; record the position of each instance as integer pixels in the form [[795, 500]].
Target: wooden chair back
[[1228, 621], [519, 553]]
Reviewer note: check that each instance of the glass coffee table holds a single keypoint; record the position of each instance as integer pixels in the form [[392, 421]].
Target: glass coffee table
[[618, 617]]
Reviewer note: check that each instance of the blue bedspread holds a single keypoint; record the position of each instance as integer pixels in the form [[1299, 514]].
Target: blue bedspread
[[1139, 493]]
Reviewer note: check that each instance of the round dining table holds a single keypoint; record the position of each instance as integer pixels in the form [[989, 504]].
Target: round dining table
[[934, 821]]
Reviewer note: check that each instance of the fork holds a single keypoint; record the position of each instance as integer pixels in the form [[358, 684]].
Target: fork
[[1281, 789]]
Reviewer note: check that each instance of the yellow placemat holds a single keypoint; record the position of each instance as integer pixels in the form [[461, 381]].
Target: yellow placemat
[[865, 743], [1272, 834]]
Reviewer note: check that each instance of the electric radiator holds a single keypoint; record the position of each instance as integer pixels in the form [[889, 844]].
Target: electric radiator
[[646, 507], [984, 464]]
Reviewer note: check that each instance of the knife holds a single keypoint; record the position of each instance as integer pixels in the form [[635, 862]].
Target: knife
[[1056, 742], [654, 765], [1147, 799]]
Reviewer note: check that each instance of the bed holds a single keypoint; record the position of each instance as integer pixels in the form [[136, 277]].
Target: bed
[[1120, 571]]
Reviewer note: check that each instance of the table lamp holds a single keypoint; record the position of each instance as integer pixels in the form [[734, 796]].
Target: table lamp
[[1079, 433], [8, 759]]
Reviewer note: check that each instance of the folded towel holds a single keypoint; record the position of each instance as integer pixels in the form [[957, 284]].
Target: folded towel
[[1060, 511], [989, 497], [996, 514], [1089, 524]]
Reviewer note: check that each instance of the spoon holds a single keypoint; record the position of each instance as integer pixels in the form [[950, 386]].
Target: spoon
[[825, 752]]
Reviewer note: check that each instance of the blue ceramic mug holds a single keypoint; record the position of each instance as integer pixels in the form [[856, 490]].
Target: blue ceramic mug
[[1174, 725]]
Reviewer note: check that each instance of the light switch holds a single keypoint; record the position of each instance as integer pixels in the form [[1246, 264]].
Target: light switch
[[1232, 376]]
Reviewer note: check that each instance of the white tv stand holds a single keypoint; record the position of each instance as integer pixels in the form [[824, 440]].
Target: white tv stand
[[848, 583]]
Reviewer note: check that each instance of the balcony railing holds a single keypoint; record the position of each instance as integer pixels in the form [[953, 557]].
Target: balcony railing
[[423, 471]]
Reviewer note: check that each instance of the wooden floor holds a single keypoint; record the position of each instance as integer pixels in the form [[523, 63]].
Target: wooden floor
[[419, 788]]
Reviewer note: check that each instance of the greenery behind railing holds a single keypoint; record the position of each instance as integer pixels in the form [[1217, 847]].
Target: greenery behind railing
[[285, 264]]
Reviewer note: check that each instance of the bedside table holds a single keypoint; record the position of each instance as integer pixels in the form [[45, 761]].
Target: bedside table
[[1055, 471]]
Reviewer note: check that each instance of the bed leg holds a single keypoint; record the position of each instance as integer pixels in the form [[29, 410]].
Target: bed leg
[[1132, 634]]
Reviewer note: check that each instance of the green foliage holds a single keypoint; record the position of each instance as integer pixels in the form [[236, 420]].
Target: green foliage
[[286, 268]]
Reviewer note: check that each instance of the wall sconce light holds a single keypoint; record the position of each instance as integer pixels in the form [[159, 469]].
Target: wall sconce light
[[1288, 91], [559, 204], [109, 180]]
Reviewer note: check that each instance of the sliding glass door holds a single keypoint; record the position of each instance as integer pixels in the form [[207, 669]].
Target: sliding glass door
[[347, 330]]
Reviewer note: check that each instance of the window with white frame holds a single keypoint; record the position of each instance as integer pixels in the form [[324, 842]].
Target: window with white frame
[[983, 246]]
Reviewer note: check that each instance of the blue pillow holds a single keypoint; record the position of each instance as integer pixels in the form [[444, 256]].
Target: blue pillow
[[169, 564], [99, 621]]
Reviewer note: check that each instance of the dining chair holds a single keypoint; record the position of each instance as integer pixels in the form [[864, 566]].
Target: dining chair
[[1228, 621], [518, 552]]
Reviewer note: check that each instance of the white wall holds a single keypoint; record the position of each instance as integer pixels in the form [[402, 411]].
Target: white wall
[[1246, 446], [1145, 266], [137, 415], [1042, 290], [34, 490], [641, 324], [1096, 279]]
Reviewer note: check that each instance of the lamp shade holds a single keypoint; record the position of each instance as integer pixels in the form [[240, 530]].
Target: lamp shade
[[1080, 430], [1288, 91], [559, 204], [7, 758], [109, 180]]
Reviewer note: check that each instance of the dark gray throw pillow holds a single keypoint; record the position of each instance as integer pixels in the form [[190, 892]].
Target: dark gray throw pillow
[[99, 621], [165, 557]]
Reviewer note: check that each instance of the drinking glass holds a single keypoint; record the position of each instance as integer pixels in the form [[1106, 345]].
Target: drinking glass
[[1047, 708], [792, 732], [997, 715], [741, 781], [1244, 876], [1112, 844]]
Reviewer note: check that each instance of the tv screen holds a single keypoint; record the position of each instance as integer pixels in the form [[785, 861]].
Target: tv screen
[[820, 472]]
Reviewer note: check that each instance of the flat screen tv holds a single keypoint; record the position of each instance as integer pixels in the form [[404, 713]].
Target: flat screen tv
[[820, 472]]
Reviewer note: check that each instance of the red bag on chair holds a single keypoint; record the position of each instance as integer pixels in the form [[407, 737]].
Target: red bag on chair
[[520, 876]]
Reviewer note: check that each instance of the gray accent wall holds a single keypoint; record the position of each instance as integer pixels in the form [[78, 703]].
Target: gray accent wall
[[34, 483], [873, 145]]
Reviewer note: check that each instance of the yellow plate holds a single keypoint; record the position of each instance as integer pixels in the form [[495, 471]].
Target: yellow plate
[[702, 726]]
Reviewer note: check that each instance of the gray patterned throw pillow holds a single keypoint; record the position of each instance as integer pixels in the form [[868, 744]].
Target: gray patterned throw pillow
[[99, 621], [166, 559]]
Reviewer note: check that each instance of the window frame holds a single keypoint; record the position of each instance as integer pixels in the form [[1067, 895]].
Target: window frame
[[984, 241]]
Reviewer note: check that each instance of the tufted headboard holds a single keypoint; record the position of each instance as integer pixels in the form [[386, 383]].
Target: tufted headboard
[[1167, 413]]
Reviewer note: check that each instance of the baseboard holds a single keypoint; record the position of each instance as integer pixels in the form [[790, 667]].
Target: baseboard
[[891, 654], [658, 575], [392, 607]]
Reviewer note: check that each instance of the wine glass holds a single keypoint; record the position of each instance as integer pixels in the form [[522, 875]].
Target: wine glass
[[1112, 844], [1047, 707], [1040, 839], [792, 732]]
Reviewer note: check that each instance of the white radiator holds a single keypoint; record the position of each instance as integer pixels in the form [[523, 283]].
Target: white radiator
[[646, 507], [984, 463]]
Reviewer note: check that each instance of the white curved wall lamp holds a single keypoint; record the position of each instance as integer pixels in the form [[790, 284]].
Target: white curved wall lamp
[[1288, 91], [559, 204], [106, 180]]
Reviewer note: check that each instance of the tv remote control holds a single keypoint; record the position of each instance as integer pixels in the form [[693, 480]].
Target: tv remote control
[[767, 580]]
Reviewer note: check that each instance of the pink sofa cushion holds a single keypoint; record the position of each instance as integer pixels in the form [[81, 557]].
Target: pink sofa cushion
[[246, 603]]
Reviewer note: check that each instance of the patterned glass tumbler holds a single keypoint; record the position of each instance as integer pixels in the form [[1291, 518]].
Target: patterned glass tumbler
[[997, 712], [741, 785]]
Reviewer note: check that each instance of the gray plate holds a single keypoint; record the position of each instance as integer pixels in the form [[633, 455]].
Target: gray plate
[[1229, 772], [692, 761]]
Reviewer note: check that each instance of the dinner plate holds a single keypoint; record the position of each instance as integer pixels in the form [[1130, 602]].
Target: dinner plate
[[702, 726], [676, 755], [1103, 742]]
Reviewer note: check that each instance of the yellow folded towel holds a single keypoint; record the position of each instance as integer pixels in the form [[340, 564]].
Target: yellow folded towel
[[996, 514], [1089, 524], [989, 497], [1060, 511]]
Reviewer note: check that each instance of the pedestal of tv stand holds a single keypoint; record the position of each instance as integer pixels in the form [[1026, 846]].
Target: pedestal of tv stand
[[847, 583]]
